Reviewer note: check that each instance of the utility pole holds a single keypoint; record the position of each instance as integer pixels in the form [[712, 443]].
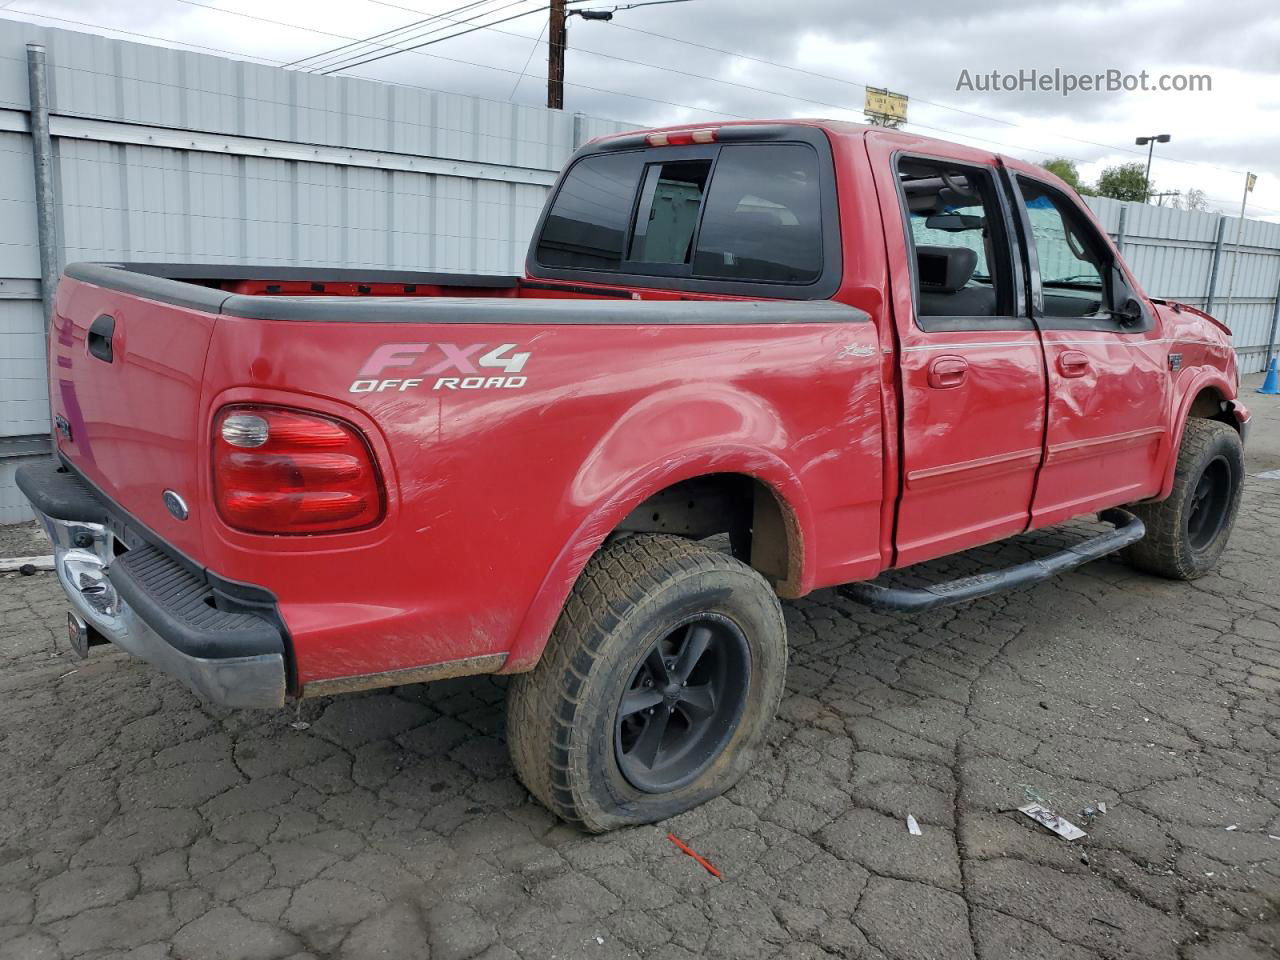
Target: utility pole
[[557, 37]]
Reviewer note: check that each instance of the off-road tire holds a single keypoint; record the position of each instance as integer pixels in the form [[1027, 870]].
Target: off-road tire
[[561, 716], [1169, 549]]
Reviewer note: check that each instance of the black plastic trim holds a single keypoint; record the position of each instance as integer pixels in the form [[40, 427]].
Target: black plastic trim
[[541, 312], [243, 620], [182, 284], [613, 310], [59, 493], [101, 332], [619, 292], [180, 607], [1129, 529], [832, 250], [125, 278]]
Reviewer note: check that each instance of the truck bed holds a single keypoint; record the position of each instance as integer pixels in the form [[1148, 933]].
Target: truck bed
[[513, 425]]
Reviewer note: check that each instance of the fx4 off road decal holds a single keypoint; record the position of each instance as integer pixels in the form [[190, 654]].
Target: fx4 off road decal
[[467, 368]]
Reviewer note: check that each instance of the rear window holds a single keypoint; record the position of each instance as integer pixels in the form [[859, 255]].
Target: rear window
[[587, 227], [668, 212], [763, 218], [741, 212]]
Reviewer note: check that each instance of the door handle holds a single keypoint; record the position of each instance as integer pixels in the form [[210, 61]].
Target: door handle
[[1073, 363], [947, 372], [101, 333]]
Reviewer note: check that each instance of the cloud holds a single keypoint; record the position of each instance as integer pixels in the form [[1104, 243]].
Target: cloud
[[663, 64]]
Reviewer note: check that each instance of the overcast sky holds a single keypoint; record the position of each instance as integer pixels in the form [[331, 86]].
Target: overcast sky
[[638, 69]]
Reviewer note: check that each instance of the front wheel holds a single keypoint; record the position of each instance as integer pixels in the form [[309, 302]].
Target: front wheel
[[1187, 532], [656, 687]]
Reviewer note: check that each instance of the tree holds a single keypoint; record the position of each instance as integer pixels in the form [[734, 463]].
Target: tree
[[1125, 181], [1194, 199], [1066, 170]]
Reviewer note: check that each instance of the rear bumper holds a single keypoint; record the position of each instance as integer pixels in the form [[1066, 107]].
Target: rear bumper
[[222, 640]]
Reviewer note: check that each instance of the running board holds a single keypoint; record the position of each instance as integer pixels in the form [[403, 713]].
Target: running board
[[1128, 529]]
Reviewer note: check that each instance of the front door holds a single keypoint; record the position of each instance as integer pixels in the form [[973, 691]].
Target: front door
[[972, 369], [1107, 362]]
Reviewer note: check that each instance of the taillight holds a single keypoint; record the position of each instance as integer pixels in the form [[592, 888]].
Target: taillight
[[277, 470], [681, 138]]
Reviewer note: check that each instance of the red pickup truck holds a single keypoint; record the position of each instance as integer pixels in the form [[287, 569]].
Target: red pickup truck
[[848, 349]]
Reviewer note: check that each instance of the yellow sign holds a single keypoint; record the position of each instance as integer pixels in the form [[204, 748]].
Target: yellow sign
[[1249, 180], [882, 103]]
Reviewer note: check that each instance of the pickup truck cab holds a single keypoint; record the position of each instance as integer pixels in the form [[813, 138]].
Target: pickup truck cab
[[848, 349]]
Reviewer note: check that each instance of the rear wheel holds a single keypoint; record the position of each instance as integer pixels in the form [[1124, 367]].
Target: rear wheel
[[656, 686], [1187, 532]]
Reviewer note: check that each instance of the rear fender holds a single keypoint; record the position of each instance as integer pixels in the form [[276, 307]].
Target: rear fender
[[726, 432]]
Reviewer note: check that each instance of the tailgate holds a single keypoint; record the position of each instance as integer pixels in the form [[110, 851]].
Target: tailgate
[[124, 379]]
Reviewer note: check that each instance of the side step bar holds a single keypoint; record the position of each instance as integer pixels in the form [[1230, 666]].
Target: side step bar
[[1128, 529]]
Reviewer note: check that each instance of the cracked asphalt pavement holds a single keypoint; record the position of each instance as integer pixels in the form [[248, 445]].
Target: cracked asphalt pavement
[[136, 822]]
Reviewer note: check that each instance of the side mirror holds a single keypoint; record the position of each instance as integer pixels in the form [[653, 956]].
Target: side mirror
[[1126, 308], [1130, 312]]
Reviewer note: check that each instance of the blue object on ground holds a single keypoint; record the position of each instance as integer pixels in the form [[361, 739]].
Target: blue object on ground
[[1271, 385]]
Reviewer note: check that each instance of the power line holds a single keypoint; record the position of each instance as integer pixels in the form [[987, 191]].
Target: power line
[[525, 69], [932, 103], [433, 56], [366, 56], [647, 65], [461, 33], [325, 54], [686, 106], [811, 73]]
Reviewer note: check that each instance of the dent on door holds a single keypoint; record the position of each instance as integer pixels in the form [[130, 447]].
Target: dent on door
[[1107, 400]]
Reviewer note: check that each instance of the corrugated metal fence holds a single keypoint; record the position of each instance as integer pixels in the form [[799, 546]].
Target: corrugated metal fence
[[162, 154], [1192, 257]]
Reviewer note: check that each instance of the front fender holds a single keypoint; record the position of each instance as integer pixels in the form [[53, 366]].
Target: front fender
[[699, 432], [1195, 385]]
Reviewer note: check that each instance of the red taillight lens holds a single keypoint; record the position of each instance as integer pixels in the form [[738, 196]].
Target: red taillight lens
[[277, 470]]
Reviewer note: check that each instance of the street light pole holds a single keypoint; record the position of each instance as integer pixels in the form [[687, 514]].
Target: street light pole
[[1150, 144]]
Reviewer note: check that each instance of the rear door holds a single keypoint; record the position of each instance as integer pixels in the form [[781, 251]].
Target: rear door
[[1108, 365], [971, 364]]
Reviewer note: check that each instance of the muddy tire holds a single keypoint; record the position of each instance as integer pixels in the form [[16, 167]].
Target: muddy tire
[[1187, 532], [656, 687]]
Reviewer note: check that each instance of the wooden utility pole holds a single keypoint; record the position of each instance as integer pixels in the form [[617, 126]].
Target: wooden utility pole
[[557, 35]]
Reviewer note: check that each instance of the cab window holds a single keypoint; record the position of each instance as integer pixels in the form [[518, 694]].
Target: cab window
[[959, 245], [1071, 256], [738, 212]]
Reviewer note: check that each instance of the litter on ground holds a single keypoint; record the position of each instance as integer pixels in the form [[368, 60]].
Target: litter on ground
[[1050, 820]]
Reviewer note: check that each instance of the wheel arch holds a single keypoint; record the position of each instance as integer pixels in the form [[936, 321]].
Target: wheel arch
[[777, 495], [1208, 397]]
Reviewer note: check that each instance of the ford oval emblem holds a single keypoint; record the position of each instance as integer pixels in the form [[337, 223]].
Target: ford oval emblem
[[176, 505]]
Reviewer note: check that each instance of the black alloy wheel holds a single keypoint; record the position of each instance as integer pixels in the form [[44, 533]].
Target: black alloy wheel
[[1210, 503], [682, 704]]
